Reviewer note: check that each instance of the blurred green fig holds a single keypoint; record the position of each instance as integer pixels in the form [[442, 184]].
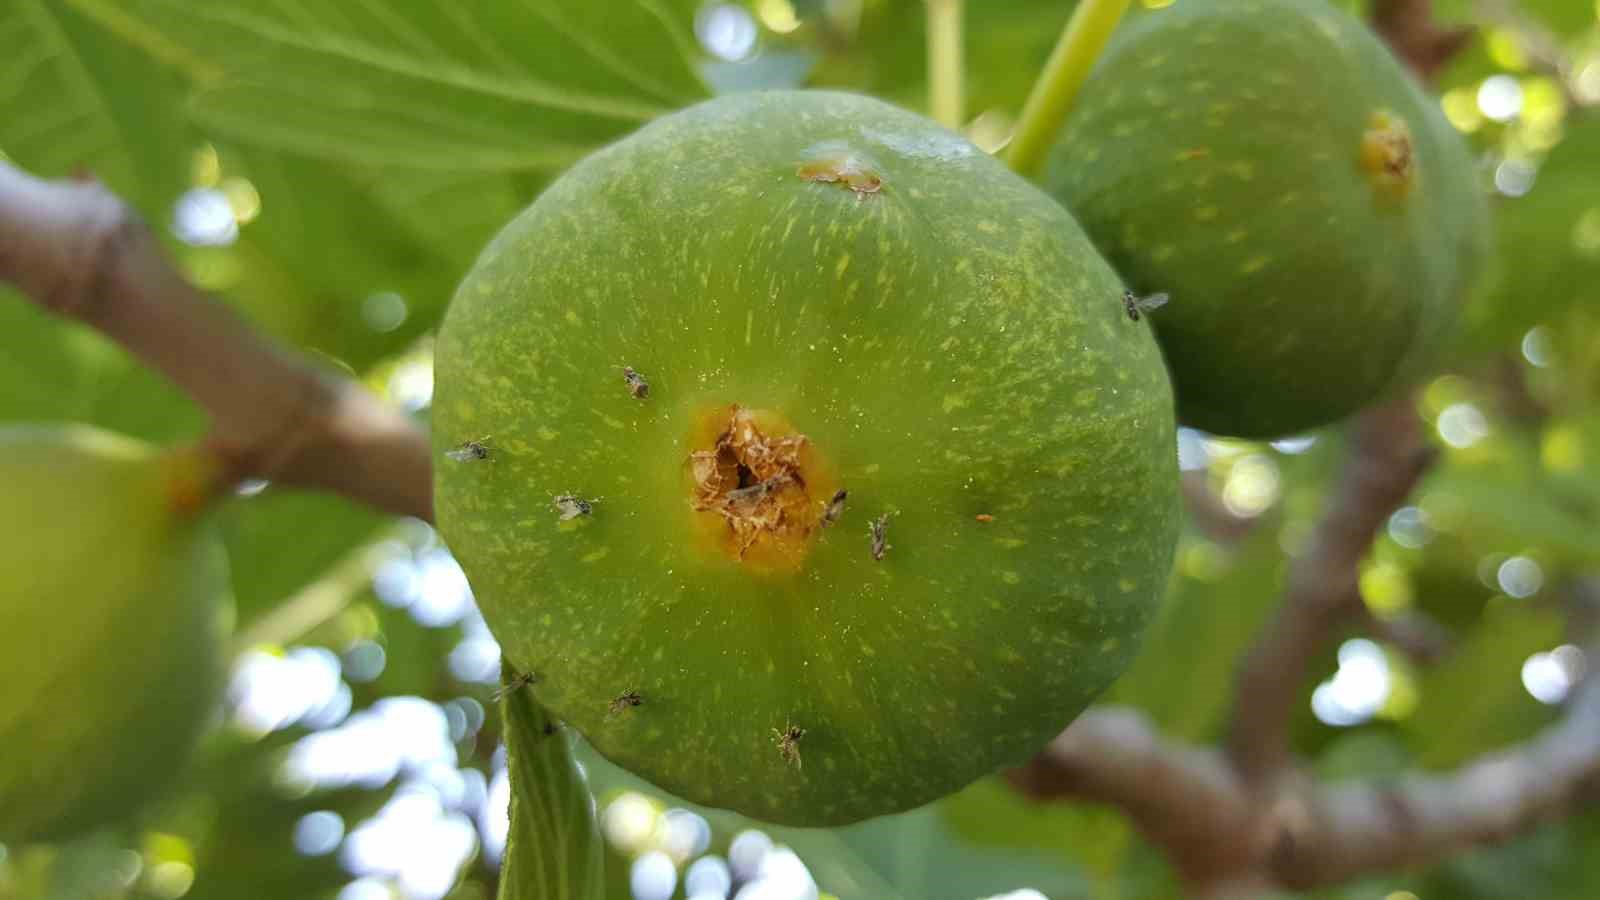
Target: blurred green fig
[[109, 648]]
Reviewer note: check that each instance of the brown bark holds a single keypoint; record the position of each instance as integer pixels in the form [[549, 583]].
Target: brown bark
[[82, 253]]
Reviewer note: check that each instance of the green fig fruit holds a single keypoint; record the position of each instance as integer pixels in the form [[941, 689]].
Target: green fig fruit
[[109, 648], [1272, 168], [803, 457]]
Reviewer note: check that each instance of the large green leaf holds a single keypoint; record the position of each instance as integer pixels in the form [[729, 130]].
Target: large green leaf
[[74, 95], [1184, 672], [1474, 701], [1549, 245]]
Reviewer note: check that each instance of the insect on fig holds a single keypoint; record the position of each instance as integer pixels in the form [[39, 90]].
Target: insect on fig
[[878, 529], [1135, 304], [638, 387], [624, 702], [468, 451], [835, 507], [571, 506], [788, 741]]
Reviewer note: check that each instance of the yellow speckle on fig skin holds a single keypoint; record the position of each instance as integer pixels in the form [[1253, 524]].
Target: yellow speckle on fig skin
[[945, 371]]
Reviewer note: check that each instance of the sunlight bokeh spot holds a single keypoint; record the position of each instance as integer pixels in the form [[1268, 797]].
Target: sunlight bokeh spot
[[1358, 690], [653, 877], [318, 833], [1500, 97], [203, 217], [1461, 425], [726, 30], [1549, 677], [1520, 577]]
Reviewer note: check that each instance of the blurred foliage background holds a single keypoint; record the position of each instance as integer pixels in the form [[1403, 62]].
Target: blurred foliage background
[[330, 170]]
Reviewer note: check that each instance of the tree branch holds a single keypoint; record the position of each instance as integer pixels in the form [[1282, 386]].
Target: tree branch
[[1387, 458], [1226, 838], [82, 253], [1409, 29]]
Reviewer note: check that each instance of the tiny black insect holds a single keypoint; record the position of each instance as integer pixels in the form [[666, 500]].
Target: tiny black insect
[[835, 508], [625, 701], [637, 386], [788, 741], [571, 506], [1135, 304], [517, 683], [879, 529], [467, 451]]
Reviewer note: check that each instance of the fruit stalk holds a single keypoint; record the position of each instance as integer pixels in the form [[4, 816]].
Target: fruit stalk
[[553, 849], [1053, 94], [946, 66]]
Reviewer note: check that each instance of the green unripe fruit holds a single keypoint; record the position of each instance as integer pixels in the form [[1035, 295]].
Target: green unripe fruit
[[804, 457], [109, 651], [1272, 167]]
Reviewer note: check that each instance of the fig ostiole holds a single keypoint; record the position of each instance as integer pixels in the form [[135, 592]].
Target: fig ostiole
[[899, 497], [110, 654]]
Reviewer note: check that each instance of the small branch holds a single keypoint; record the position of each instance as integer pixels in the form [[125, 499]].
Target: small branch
[[1368, 826], [1057, 89], [1387, 458], [946, 64], [81, 253], [1228, 839], [1183, 799], [1422, 639]]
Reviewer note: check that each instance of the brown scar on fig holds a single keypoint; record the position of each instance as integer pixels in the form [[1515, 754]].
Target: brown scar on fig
[[844, 168], [1388, 155], [623, 702], [878, 529], [755, 482], [788, 741], [984, 517]]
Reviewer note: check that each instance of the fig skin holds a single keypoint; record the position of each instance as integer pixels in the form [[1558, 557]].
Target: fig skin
[[110, 653], [1271, 166], [959, 362]]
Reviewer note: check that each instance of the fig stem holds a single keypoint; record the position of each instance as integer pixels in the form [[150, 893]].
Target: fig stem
[[1057, 89], [946, 66]]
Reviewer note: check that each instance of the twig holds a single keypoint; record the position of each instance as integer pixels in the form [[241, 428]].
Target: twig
[[1409, 28], [1387, 458], [82, 253], [1422, 639]]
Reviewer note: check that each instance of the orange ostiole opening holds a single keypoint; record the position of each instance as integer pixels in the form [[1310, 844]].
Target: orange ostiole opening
[[758, 487]]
